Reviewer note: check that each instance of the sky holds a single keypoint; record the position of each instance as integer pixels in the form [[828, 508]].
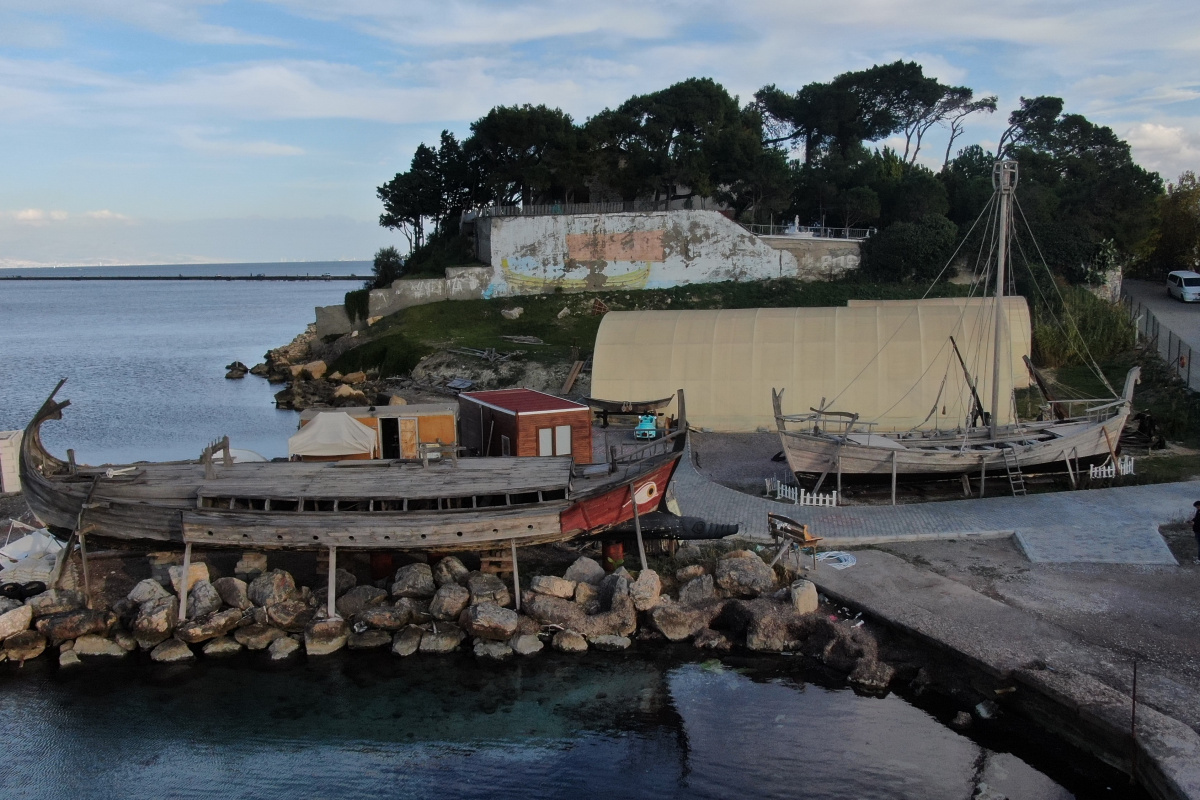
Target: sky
[[191, 131]]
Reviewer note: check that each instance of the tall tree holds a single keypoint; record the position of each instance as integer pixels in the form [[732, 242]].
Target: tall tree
[[529, 154]]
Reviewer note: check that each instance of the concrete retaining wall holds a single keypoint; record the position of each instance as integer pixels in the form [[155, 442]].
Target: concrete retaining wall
[[591, 252]]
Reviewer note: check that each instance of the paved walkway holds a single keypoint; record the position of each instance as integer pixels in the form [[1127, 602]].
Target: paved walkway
[[1114, 526]]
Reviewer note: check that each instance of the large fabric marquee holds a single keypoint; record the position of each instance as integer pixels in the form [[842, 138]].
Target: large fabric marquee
[[891, 362]]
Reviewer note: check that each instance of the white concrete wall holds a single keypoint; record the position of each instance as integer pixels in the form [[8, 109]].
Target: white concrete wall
[[10, 455]]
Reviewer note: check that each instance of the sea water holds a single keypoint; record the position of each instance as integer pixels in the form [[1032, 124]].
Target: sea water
[[145, 363]]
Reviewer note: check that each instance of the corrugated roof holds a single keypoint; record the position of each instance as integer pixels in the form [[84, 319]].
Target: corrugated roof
[[523, 401]]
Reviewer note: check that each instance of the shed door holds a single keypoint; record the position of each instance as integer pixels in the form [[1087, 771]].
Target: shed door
[[545, 441], [389, 438], [408, 438], [562, 440]]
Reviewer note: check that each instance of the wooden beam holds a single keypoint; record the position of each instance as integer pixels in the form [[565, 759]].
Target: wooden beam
[[183, 582], [87, 584], [637, 526], [516, 576], [893, 477], [331, 591]]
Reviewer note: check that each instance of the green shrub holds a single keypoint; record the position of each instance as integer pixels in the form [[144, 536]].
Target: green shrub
[[1083, 323]]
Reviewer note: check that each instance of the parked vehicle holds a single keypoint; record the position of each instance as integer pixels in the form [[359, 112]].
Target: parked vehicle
[[1184, 285], [647, 427]]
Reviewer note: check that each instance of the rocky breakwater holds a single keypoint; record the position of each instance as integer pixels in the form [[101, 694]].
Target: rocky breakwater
[[735, 601], [310, 382]]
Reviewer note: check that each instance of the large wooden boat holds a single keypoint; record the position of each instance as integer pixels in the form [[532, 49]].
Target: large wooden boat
[[826, 442], [444, 505]]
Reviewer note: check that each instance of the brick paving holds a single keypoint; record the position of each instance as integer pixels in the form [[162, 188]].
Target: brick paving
[[1114, 526]]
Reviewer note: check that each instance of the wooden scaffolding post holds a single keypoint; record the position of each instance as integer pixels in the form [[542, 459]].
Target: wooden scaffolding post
[[183, 582], [982, 474], [893, 477], [516, 576], [331, 590], [87, 584], [637, 526]]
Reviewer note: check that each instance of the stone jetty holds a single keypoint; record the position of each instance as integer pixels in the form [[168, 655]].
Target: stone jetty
[[719, 603]]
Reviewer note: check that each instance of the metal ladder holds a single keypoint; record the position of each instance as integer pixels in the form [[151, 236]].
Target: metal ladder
[[1016, 479]]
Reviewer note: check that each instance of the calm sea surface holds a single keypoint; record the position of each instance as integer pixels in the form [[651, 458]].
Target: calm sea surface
[[145, 361], [146, 364]]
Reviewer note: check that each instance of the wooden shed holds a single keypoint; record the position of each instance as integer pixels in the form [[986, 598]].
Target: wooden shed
[[400, 429], [524, 422]]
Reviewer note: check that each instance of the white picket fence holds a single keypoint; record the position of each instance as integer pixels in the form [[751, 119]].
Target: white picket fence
[[1109, 469], [797, 496]]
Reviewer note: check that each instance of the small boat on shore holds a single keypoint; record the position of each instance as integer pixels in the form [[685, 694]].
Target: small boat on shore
[[635, 408], [443, 505]]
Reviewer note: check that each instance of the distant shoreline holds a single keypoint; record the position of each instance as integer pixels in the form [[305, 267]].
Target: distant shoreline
[[183, 277]]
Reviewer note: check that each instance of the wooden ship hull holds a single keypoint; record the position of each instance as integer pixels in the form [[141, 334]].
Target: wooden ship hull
[[627, 406], [445, 505]]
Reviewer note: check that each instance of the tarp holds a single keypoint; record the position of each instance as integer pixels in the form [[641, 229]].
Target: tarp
[[889, 362], [332, 433]]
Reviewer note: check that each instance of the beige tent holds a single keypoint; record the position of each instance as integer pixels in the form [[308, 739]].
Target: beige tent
[[330, 434], [890, 362]]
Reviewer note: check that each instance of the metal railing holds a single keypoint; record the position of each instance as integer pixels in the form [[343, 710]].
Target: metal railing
[[554, 209], [1173, 350], [810, 231]]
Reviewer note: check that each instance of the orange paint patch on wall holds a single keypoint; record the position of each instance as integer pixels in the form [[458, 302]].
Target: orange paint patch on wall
[[631, 246]]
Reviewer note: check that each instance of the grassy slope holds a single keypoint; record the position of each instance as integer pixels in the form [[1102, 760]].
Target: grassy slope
[[400, 340]]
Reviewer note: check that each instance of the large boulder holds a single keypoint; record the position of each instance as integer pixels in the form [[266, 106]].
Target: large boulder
[[526, 644], [613, 586], [24, 645], [646, 590], [385, 618], [708, 639], [15, 621], [325, 636], [490, 650], [54, 601], [848, 647], [171, 651], [449, 601], [450, 570], [414, 580], [689, 573], [487, 588], [620, 620], [8, 604], [210, 626], [155, 621], [93, 645], [568, 641], [73, 624], [743, 574], [872, 675], [678, 622], [234, 592], [196, 572], [406, 642], [358, 598], [271, 588], [555, 587], [221, 646], [257, 636], [698, 590], [584, 570], [609, 643], [803, 595], [490, 621], [147, 590], [283, 648], [250, 566], [203, 599], [368, 640], [445, 639], [587, 597], [290, 615]]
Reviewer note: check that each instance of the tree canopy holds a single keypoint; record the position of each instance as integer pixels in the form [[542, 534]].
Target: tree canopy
[[850, 153]]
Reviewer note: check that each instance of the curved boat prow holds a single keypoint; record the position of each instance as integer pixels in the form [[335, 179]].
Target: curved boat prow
[[31, 442], [1132, 378]]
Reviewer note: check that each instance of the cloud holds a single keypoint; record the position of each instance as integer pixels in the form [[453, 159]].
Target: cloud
[[1167, 149], [196, 139], [181, 20], [105, 215]]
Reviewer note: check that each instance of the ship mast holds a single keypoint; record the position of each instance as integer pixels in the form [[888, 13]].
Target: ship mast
[[1004, 179]]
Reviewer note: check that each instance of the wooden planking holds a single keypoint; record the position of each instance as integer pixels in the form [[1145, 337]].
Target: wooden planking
[[461, 531]]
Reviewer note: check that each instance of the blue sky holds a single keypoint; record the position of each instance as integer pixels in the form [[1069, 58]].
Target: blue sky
[[170, 131]]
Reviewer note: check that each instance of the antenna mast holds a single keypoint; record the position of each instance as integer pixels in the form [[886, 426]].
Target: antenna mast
[[1004, 179]]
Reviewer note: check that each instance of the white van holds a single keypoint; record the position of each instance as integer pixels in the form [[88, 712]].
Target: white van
[[1184, 285]]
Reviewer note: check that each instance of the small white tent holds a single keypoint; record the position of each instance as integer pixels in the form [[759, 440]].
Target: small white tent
[[333, 433]]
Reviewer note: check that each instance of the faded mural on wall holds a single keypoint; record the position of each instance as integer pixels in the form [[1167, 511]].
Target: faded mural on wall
[[583, 252], [591, 252]]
